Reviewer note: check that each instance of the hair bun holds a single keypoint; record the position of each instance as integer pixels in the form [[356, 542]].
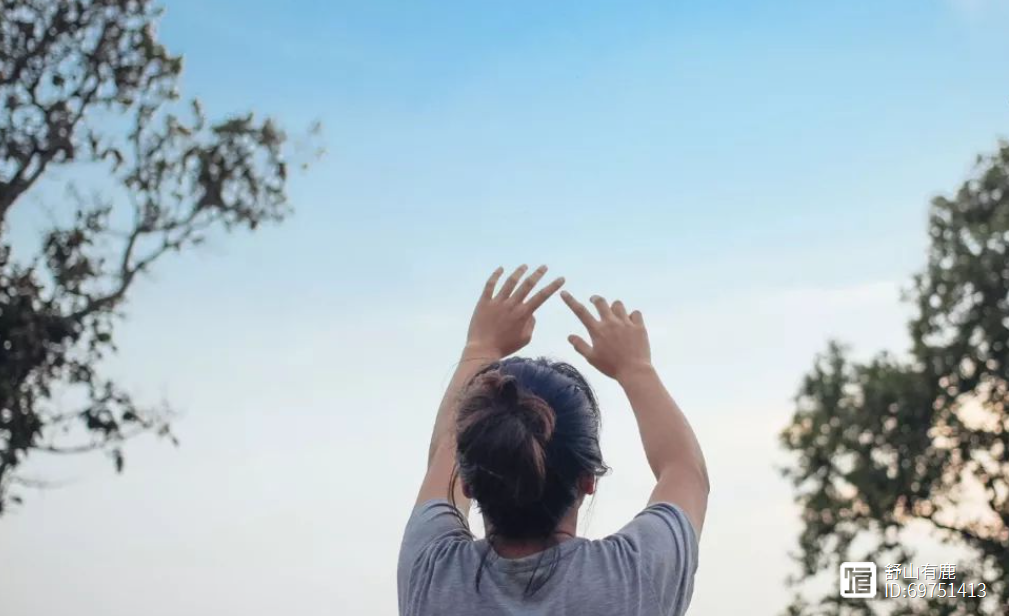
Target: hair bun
[[508, 390], [535, 414], [504, 438]]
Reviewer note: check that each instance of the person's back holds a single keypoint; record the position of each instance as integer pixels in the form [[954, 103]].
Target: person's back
[[523, 442], [646, 569]]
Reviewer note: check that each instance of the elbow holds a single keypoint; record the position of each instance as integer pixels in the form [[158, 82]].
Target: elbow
[[701, 470], [705, 478], [692, 471], [698, 471]]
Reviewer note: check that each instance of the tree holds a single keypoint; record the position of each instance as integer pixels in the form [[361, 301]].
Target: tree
[[898, 444], [85, 83]]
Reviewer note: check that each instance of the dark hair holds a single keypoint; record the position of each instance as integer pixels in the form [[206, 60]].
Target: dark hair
[[527, 431]]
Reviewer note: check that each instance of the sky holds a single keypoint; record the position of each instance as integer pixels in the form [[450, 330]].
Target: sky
[[753, 177]]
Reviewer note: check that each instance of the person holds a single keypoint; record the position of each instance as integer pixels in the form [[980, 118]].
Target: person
[[520, 437]]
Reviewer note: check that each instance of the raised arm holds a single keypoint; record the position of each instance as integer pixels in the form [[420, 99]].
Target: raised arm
[[502, 324], [619, 349]]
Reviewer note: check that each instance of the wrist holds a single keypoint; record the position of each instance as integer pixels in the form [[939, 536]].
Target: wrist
[[481, 351], [633, 372]]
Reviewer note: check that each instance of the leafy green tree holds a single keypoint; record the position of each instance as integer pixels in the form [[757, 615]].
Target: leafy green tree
[[85, 84], [895, 444]]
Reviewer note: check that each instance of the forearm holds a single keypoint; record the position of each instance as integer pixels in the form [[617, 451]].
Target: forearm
[[670, 444], [472, 361]]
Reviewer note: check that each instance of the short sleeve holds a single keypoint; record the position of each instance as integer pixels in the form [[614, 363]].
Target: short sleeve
[[667, 546], [430, 523]]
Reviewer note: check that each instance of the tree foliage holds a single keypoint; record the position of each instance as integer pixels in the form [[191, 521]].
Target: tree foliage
[[919, 443], [85, 83]]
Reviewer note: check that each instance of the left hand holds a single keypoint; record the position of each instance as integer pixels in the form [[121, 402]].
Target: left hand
[[503, 323]]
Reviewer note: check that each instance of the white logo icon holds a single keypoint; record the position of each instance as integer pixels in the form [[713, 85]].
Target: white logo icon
[[858, 580]]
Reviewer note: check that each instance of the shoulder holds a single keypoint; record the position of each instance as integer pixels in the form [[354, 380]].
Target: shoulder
[[431, 522], [660, 527], [661, 547], [435, 528], [438, 512], [437, 546]]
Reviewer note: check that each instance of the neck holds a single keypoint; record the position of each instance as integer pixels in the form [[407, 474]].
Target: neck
[[517, 548]]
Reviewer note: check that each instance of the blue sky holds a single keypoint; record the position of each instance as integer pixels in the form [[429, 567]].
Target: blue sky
[[801, 127], [754, 177]]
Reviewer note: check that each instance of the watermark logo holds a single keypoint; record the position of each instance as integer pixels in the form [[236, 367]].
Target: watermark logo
[[858, 580]]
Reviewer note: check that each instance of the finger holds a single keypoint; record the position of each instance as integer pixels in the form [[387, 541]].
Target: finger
[[488, 288], [637, 318], [580, 345], [619, 310], [510, 282], [527, 285], [601, 306], [544, 294], [580, 311]]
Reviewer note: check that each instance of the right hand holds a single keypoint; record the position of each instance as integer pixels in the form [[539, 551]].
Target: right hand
[[503, 323], [619, 340]]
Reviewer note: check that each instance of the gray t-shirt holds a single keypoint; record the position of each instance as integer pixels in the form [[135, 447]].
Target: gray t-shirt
[[645, 569]]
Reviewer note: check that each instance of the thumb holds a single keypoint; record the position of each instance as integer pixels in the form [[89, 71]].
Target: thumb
[[580, 345], [527, 329]]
